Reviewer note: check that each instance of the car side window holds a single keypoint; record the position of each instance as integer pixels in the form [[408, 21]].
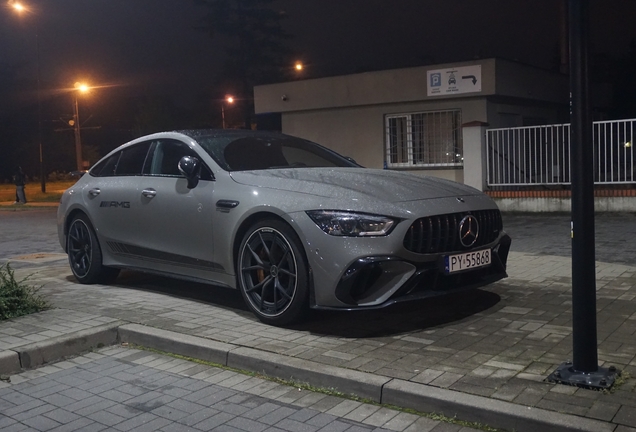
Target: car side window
[[132, 160], [166, 156], [106, 168]]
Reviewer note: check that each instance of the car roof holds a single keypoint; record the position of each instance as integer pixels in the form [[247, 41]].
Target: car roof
[[207, 133]]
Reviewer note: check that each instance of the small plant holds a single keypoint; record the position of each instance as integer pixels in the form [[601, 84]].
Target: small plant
[[16, 297]]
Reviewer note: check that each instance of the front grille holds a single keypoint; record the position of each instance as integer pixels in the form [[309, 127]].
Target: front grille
[[440, 234]]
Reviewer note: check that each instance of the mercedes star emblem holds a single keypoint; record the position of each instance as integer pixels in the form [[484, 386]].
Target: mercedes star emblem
[[468, 230]]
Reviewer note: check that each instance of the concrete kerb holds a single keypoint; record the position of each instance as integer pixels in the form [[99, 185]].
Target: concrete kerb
[[39, 353], [28, 205], [9, 362], [347, 381], [176, 343], [380, 389], [484, 410]]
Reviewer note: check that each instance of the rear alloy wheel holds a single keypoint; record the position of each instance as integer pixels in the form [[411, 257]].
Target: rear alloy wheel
[[85, 255], [272, 273]]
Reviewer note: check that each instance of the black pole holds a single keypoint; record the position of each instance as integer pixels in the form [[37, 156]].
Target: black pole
[[583, 248], [37, 53], [583, 370]]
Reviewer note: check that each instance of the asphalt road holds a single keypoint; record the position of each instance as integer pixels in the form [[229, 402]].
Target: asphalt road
[[24, 232]]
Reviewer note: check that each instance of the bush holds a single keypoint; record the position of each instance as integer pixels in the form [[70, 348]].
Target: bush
[[16, 297], [56, 176]]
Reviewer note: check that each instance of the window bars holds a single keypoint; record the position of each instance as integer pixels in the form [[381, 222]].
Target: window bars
[[424, 139]]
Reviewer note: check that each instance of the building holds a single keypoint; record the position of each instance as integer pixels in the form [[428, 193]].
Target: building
[[426, 120], [499, 126]]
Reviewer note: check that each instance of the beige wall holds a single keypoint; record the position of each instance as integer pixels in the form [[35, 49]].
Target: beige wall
[[359, 132], [498, 77], [371, 88]]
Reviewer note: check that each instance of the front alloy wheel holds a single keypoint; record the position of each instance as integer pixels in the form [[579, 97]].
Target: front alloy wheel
[[84, 254], [272, 274]]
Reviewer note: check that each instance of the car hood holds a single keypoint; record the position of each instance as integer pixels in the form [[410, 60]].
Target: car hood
[[388, 186]]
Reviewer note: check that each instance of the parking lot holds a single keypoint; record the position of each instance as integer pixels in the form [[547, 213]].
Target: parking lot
[[497, 343]]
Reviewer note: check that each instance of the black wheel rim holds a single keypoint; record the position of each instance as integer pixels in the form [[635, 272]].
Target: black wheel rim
[[268, 272], [80, 248]]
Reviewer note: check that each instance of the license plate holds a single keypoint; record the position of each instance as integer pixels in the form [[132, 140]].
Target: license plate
[[467, 261]]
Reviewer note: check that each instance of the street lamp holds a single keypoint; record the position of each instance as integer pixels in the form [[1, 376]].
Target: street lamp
[[298, 66], [21, 8], [81, 88], [18, 6], [230, 100]]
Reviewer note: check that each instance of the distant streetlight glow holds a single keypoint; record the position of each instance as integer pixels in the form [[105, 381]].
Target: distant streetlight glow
[[18, 6], [81, 88], [299, 66]]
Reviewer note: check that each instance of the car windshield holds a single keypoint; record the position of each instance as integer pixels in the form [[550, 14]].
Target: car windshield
[[259, 152]]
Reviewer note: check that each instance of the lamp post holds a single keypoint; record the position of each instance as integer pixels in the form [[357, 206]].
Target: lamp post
[[229, 100], [80, 88], [20, 8]]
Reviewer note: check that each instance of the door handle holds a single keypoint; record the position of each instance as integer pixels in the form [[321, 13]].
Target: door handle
[[149, 193], [94, 192]]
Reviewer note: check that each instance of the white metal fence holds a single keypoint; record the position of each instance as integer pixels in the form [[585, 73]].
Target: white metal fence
[[540, 155]]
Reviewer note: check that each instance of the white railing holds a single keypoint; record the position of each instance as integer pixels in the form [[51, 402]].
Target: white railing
[[540, 155]]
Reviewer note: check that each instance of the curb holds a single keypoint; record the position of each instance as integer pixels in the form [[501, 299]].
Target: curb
[[9, 362], [57, 348], [347, 381], [176, 343], [480, 409], [29, 205], [385, 390]]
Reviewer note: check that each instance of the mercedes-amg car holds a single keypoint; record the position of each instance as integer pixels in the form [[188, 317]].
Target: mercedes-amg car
[[291, 224]]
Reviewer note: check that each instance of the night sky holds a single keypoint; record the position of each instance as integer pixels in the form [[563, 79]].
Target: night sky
[[140, 43], [129, 47]]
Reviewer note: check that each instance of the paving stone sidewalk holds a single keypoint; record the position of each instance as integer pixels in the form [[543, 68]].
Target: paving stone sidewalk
[[122, 389], [500, 343]]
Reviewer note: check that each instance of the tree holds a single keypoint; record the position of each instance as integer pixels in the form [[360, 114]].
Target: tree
[[255, 49]]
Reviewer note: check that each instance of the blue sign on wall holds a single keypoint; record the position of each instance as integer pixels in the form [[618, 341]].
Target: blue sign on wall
[[436, 79]]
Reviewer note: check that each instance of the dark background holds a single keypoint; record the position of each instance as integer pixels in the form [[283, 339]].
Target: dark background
[[153, 69]]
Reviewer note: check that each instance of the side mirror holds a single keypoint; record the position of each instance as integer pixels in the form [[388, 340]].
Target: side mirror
[[190, 167]]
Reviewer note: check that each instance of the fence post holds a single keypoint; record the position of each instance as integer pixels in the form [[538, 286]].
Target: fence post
[[474, 142]]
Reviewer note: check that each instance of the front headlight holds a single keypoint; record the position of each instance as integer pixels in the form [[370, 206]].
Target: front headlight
[[340, 223]]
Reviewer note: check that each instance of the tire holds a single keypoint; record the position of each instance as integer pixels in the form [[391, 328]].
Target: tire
[[85, 254], [272, 273]]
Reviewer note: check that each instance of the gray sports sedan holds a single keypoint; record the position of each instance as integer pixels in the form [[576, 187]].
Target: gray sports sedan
[[290, 224]]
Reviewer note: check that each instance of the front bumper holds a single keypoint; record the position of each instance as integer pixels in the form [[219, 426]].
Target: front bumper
[[377, 282]]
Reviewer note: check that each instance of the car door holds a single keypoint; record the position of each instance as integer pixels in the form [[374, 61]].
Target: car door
[[174, 223], [109, 197]]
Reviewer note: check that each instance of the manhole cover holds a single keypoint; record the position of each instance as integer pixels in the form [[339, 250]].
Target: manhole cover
[[38, 257]]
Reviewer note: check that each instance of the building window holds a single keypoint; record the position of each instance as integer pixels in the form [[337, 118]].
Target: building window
[[426, 139]]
